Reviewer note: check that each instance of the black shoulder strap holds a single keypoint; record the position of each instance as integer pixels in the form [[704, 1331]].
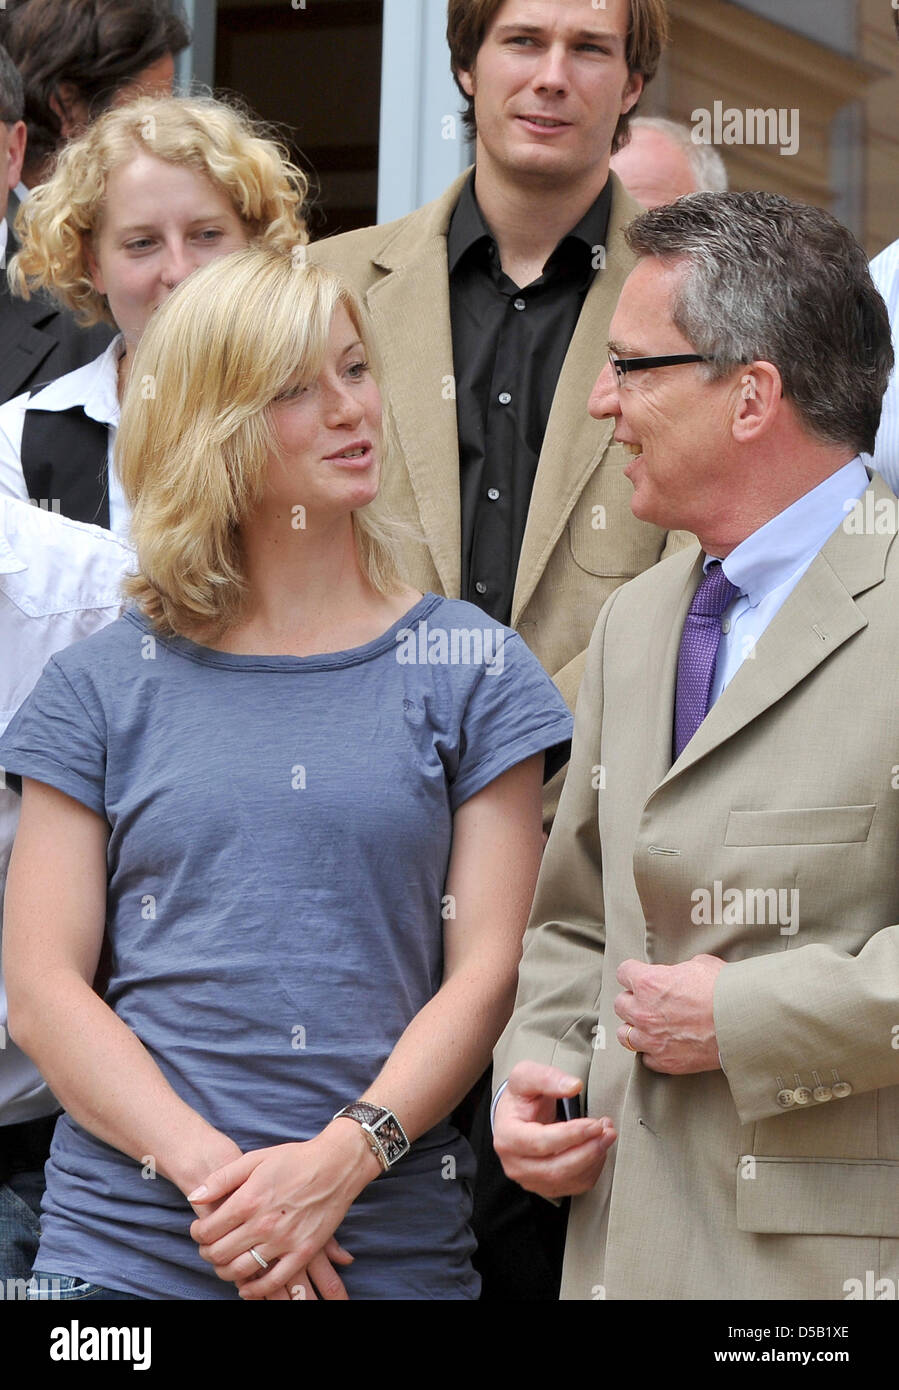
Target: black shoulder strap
[[64, 462]]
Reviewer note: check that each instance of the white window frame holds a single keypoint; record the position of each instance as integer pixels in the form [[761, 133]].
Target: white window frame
[[423, 144]]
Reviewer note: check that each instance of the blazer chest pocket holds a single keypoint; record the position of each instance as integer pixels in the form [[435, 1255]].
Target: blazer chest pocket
[[810, 825], [604, 536], [819, 1197]]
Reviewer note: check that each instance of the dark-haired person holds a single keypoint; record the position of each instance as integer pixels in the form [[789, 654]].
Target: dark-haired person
[[78, 57], [502, 288], [713, 951], [489, 303], [39, 340]]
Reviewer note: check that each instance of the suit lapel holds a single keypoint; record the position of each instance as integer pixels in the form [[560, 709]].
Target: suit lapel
[[574, 444], [814, 622], [410, 311], [23, 346], [413, 272]]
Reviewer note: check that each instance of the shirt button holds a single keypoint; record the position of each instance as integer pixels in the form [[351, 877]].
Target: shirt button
[[481, 588], [493, 494], [725, 625], [519, 304], [504, 398]]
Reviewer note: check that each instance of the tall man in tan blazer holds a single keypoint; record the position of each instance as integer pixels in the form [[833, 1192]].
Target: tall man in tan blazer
[[488, 305], [712, 962]]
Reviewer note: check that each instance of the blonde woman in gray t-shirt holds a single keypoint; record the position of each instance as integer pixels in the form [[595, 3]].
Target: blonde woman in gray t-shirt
[[314, 795]]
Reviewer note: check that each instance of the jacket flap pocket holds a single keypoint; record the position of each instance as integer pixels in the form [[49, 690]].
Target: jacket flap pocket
[[810, 825], [604, 536], [818, 1197]]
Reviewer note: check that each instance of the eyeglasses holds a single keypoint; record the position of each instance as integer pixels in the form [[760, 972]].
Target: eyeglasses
[[623, 365]]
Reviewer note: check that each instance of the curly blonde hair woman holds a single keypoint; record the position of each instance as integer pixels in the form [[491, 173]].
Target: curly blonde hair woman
[[151, 190]]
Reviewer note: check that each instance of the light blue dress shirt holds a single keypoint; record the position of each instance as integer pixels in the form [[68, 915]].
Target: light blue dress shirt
[[768, 565]]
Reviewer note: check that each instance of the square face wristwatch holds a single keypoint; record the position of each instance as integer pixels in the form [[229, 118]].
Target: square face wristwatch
[[385, 1134]]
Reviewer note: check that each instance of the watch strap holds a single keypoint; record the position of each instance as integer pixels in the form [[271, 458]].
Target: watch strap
[[385, 1135]]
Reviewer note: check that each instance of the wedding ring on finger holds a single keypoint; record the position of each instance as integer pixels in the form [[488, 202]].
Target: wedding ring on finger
[[627, 1038], [263, 1264]]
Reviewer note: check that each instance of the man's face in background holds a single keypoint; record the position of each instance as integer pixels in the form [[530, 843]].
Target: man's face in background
[[550, 84]]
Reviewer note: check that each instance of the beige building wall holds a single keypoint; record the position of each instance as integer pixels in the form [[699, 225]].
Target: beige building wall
[[847, 151], [316, 70], [880, 45]]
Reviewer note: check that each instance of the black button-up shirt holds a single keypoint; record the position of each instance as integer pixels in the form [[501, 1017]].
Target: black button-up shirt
[[509, 344]]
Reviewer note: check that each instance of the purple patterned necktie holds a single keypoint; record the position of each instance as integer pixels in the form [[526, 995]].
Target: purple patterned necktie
[[698, 653]]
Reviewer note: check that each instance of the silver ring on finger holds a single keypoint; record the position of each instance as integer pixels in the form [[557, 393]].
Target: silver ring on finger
[[257, 1257]]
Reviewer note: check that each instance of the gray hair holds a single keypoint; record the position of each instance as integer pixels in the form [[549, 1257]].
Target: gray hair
[[704, 160], [12, 95], [771, 280]]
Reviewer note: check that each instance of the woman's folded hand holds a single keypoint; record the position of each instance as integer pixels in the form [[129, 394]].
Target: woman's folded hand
[[284, 1204]]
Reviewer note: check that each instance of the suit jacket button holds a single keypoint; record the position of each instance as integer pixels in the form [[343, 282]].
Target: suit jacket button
[[822, 1093], [841, 1089], [785, 1099], [802, 1095]]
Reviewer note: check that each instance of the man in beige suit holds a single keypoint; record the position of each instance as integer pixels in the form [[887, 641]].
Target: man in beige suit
[[712, 962], [518, 496]]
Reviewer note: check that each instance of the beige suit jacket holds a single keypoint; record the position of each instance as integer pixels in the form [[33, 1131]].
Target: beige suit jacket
[[790, 784], [581, 539]]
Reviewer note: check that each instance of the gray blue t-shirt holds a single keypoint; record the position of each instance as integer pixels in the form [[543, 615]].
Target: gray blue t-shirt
[[280, 831]]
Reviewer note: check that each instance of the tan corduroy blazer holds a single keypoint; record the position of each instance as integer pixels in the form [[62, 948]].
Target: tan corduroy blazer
[[581, 539], [788, 793]]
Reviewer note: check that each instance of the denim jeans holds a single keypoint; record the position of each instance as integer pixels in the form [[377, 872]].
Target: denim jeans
[[44, 1287], [20, 1227]]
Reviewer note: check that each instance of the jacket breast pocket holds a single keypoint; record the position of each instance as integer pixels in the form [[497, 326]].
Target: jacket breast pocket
[[809, 825], [819, 1197], [604, 536]]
